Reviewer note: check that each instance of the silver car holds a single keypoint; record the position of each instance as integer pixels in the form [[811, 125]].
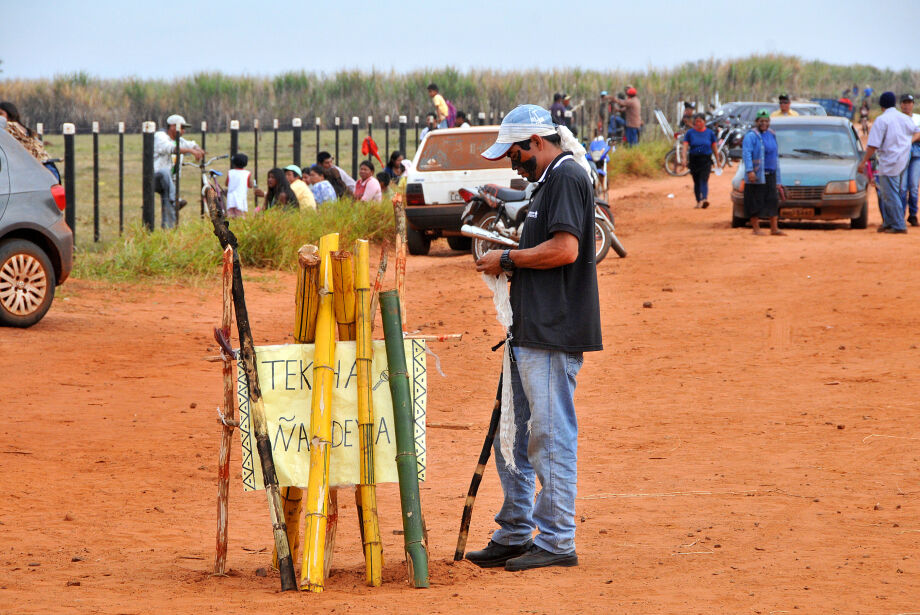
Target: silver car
[[36, 245]]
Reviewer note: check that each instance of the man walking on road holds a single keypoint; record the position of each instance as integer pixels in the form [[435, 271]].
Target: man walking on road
[[556, 318], [164, 146], [891, 136]]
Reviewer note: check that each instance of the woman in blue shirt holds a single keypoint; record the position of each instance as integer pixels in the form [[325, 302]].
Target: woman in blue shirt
[[762, 184], [701, 143]]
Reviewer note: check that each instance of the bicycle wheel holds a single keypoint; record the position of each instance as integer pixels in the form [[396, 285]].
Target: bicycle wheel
[[670, 165]]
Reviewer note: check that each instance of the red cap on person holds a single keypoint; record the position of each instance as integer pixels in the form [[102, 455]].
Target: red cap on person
[[631, 92]]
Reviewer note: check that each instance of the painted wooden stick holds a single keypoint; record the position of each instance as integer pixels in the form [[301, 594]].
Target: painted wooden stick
[[257, 405], [366, 491], [484, 455], [378, 283], [306, 306], [406, 459], [227, 413], [317, 499], [399, 211]]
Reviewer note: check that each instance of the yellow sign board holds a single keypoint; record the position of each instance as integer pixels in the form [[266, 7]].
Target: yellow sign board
[[286, 378]]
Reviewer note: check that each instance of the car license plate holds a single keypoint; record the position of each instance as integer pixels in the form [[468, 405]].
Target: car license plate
[[797, 212], [453, 196]]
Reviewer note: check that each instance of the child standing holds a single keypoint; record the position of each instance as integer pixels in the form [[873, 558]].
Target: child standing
[[239, 181]]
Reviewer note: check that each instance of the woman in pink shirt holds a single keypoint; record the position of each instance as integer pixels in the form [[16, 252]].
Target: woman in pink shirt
[[367, 188]]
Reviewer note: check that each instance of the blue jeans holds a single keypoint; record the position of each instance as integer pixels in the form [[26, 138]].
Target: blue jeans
[[163, 183], [889, 200], [545, 448], [909, 182], [632, 135]]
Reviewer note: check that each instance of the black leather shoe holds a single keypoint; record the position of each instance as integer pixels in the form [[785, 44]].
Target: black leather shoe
[[912, 220], [495, 555], [882, 229], [540, 558], [895, 231]]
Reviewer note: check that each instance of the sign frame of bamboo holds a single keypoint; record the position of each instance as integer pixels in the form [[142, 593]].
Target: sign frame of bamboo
[[318, 495], [399, 213], [257, 406], [406, 459], [306, 306], [226, 417], [366, 491]]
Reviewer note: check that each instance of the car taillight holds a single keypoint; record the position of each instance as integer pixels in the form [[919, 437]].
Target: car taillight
[[59, 195], [466, 195], [414, 194]]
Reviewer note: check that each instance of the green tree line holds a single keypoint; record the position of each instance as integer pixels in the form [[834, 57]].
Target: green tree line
[[216, 97]]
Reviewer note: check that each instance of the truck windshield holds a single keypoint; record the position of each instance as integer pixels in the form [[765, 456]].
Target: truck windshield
[[453, 150]]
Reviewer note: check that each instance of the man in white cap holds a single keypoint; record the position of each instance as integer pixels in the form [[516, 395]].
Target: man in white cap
[[556, 318], [165, 168]]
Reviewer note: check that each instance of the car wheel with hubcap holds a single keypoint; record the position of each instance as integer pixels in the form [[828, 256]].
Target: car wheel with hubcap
[[26, 283]]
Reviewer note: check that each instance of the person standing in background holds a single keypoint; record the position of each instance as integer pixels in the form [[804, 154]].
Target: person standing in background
[[785, 108], [164, 148], [633, 108], [912, 176], [440, 105], [238, 183], [701, 143], [762, 184]]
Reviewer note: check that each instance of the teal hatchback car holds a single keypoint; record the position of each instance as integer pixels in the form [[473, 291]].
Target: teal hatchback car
[[818, 157]]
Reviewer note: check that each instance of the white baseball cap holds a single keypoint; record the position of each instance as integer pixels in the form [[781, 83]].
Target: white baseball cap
[[175, 118], [520, 124]]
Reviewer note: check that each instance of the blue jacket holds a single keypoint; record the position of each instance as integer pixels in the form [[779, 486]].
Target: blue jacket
[[752, 155]]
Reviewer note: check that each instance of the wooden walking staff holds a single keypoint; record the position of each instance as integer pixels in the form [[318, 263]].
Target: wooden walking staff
[[226, 416], [366, 491], [317, 501], [257, 406], [406, 459], [306, 306]]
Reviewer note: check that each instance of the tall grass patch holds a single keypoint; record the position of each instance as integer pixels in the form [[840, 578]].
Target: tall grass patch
[[644, 160], [267, 240]]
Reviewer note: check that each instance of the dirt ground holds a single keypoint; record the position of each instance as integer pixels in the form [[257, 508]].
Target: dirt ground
[[748, 443]]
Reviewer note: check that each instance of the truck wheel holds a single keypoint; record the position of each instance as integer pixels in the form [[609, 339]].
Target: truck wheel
[[459, 242], [863, 218], [417, 243], [26, 283]]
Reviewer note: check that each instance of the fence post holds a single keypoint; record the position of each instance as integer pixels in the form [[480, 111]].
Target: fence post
[[234, 137], [581, 116], [386, 131], [121, 177], [370, 126], [177, 170], [298, 127], [204, 140], [337, 122], [491, 117], [70, 180], [354, 146], [275, 144], [416, 131], [147, 214], [40, 129], [95, 181], [482, 118], [255, 155], [568, 118], [318, 126], [402, 135]]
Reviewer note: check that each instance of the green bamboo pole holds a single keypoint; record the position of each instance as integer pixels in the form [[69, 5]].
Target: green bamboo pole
[[406, 461]]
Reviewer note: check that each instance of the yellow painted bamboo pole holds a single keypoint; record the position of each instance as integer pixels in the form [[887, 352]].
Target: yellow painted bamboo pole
[[366, 491], [343, 286], [306, 305], [317, 499]]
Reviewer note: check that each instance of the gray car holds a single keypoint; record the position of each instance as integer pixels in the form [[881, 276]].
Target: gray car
[[36, 245]]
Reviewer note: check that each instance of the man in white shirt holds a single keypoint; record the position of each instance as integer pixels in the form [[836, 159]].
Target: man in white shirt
[[891, 136], [909, 186], [325, 160], [164, 147]]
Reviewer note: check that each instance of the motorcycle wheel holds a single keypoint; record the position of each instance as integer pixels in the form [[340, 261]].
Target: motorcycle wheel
[[481, 246], [602, 240], [670, 165]]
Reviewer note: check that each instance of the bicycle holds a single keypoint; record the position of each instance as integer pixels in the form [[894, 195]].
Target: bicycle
[[210, 188]]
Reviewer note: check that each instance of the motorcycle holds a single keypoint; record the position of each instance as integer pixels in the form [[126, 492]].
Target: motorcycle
[[727, 136], [494, 216], [598, 155]]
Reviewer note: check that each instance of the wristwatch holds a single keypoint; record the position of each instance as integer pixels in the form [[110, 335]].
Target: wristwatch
[[506, 262]]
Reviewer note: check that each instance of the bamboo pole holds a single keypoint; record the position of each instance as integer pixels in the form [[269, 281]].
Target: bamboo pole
[[378, 282], [257, 406], [227, 412], [366, 491], [317, 502], [406, 460], [343, 285], [399, 212], [306, 306]]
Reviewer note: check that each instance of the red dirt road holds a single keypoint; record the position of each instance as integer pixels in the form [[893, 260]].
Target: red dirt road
[[749, 443]]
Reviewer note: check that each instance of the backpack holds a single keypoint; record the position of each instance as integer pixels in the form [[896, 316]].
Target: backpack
[[451, 113]]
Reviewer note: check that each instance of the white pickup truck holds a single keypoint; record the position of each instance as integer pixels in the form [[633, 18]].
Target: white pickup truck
[[447, 160]]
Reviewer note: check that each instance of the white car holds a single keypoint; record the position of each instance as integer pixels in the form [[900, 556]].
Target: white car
[[446, 161]]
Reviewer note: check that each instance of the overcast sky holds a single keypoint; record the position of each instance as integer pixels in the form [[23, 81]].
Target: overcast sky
[[170, 38]]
